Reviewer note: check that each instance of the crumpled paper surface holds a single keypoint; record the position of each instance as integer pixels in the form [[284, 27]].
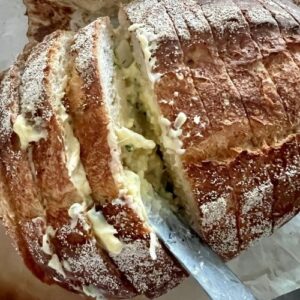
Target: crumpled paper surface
[[270, 268]]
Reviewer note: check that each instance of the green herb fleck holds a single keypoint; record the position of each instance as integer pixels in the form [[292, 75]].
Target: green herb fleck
[[129, 147]]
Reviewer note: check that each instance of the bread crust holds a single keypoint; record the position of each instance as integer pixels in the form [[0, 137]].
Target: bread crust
[[290, 7], [240, 194], [289, 27], [44, 17], [246, 172], [217, 221], [287, 82], [264, 28], [243, 59], [224, 107], [265, 41], [285, 169]]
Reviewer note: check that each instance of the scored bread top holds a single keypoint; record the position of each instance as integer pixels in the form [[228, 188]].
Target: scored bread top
[[267, 118], [289, 27], [224, 107], [264, 28]]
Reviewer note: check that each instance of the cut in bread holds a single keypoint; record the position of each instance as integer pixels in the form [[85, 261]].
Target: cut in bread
[[227, 116], [266, 33], [289, 27], [94, 110]]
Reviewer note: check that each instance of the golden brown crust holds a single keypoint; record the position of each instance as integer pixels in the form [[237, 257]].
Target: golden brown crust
[[295, 52], [221, 100], [44, 17], [263, 27], [286, 75], [263, 105]]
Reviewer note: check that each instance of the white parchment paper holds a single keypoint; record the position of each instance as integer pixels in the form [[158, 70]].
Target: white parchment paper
[[270, 268]]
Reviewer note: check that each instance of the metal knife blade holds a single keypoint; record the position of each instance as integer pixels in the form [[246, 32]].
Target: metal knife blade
[[295, 295], [198, 259]]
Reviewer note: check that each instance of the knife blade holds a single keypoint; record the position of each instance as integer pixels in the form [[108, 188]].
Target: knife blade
[[295, 295], [217, 280]]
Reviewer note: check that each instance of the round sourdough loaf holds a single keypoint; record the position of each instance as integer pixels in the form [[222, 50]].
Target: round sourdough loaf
[[219, 86]]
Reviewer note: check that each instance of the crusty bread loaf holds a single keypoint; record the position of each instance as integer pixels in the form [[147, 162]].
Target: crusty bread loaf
[[194, 101], [240, 184]]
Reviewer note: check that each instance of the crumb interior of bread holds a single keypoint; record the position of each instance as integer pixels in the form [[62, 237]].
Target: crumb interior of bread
[[142, 132]]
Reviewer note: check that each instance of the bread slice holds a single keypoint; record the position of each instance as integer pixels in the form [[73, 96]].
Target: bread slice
[[92, 104], [64, 191], [22, 211], [160, 59]]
